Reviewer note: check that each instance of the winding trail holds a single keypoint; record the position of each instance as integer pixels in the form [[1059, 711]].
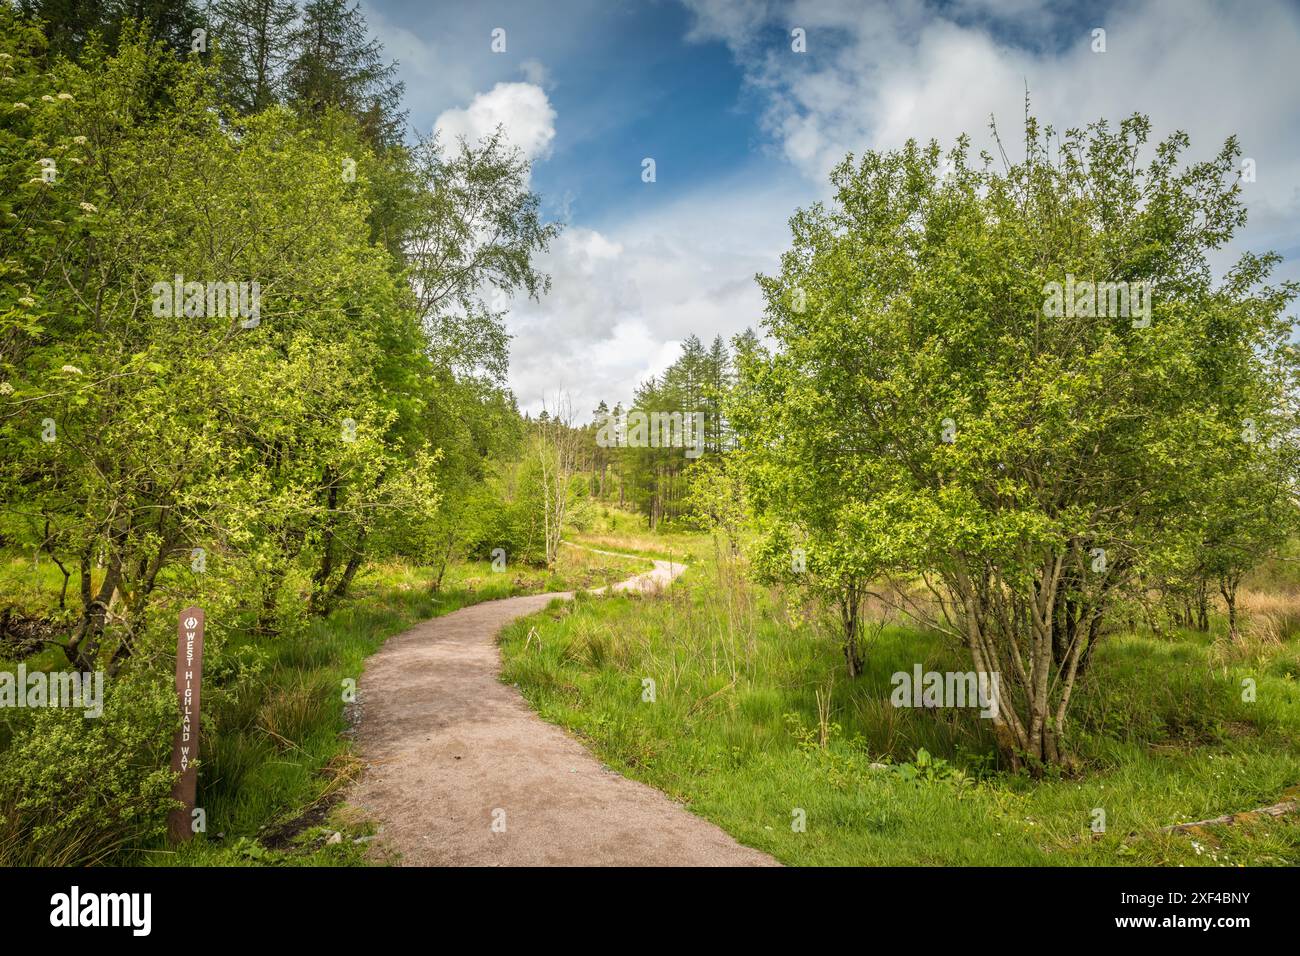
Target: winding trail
[[450, 753]]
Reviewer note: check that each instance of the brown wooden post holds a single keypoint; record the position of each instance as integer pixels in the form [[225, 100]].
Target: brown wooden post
[[185, 745]]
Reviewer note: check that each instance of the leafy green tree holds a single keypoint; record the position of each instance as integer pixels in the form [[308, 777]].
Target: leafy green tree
[[467, 229], [1250, 513], [472, 230], [716, 502], [931, 410], [141, 430]]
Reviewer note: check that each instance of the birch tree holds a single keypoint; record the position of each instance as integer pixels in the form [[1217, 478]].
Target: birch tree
[[556, 447]]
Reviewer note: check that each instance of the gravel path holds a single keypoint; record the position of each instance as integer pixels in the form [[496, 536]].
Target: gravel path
[[460, 771]]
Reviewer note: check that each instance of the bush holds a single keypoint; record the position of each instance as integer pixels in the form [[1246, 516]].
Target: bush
[[73, 791]]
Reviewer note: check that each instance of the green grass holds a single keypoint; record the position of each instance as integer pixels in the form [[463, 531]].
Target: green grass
[[613, 529], [30, 585], [735, 732]]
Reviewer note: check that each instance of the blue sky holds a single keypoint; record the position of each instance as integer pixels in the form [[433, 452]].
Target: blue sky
[[644, 92], [625, 84], [743, 131]]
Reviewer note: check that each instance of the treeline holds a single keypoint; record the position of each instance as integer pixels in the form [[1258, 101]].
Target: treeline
[[243, 344], [648, 470], [317, 56]]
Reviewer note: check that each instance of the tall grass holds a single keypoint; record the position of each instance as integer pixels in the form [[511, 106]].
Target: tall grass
[[1272, 617]]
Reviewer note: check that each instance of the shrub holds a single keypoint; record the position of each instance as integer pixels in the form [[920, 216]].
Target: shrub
[[74, 790]]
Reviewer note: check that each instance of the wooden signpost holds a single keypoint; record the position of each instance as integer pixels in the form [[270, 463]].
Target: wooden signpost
[[185, 745]]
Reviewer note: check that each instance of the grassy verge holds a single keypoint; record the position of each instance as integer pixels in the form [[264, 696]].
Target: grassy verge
[[754, 726]]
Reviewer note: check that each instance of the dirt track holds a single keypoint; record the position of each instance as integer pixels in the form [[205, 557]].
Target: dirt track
[[449, 751]]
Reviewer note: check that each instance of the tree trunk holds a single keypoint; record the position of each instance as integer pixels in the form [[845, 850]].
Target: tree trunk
[[355, 560], [1228, 588], [851, 656], [1202, 605], [850, 606], [1012, 635], [320, 579], [82, 649], [266, 626], [138, 609], [1094, 632], [444, 560]]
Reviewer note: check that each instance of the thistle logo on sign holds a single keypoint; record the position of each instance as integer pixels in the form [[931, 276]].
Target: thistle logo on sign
[[185, 745]]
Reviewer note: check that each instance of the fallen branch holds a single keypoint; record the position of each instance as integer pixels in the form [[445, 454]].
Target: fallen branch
[[1289, 805], [1276, 810]]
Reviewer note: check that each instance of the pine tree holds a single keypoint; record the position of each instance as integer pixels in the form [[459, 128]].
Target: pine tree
[[336, 64], [255, 38], [600, 456], [69, 23], [716, 433]]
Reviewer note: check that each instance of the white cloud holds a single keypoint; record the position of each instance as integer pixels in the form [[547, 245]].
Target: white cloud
[[625, 293], [522, 109], [536, 73], [445, 58], [878, 73], [623, 300]]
